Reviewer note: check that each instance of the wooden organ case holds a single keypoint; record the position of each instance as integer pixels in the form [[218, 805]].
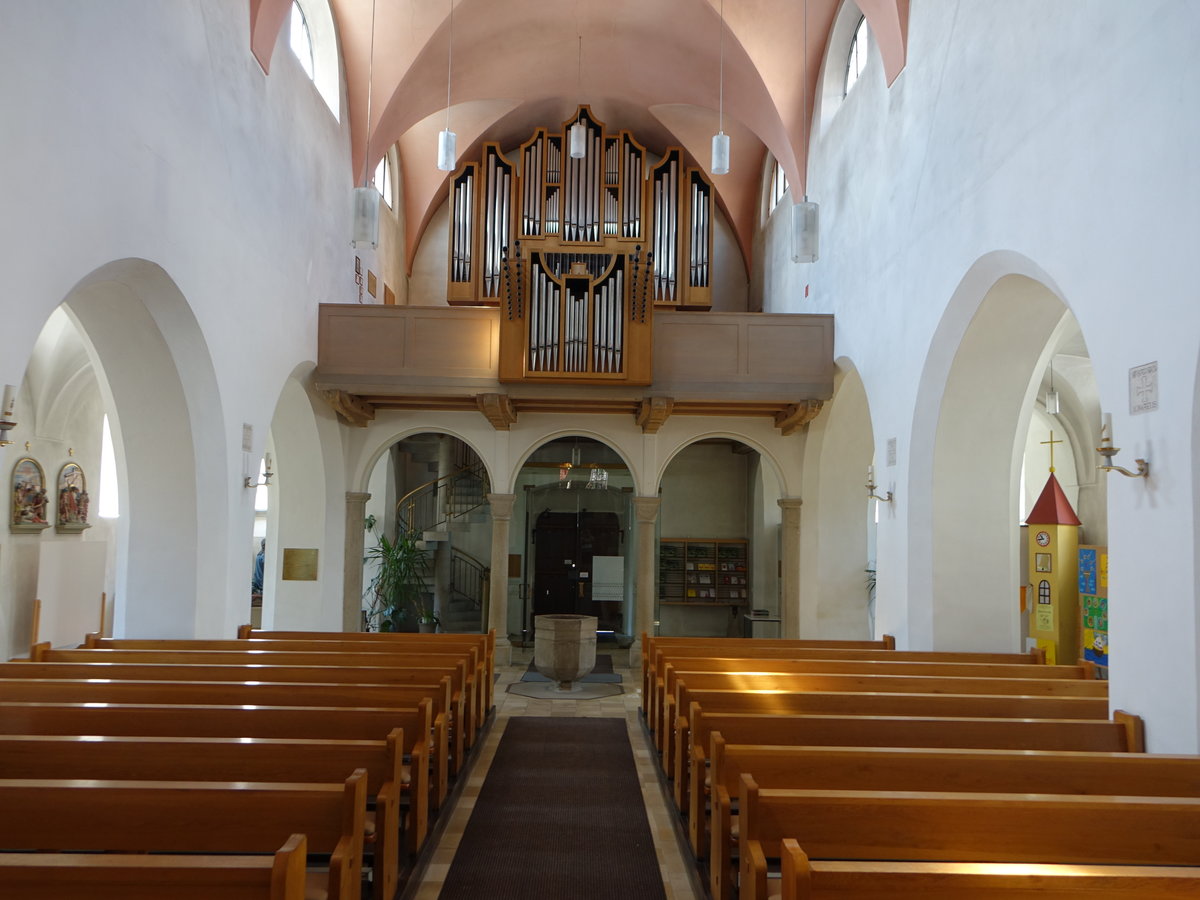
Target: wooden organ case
[[578, 251]]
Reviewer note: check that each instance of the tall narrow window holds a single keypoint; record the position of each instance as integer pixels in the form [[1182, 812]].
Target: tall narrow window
[[779, 186], [108, 506], [383, 180], [300, 40], [857, 58]]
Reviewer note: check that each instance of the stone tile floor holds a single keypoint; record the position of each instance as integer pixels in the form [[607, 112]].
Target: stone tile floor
[[680, 880]]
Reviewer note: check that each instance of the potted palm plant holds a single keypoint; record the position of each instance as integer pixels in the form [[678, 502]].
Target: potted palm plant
[[398, 587]]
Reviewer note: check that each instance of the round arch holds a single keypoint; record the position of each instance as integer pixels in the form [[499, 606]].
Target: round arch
[[158, 382], [837, 519], [973, 409], [383, 439], [684, 442], [536, 442]]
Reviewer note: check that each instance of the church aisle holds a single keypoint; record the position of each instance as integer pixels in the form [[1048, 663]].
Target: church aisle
[[680, 881]]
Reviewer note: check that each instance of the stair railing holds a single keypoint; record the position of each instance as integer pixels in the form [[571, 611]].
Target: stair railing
[[436, 502], [469, 579]]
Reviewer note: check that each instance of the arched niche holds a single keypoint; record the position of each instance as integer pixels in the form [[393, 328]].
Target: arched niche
[[431, 487], [724, 491], [838, 520], [969, 437], [157, 382], [572, 539]]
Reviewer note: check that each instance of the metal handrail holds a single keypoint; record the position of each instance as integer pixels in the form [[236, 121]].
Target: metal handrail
[[426, 497], [469, 577]]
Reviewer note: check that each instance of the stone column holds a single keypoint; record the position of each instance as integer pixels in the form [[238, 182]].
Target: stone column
[[352, 576], [646, 510], [789, 540], [502, 507]]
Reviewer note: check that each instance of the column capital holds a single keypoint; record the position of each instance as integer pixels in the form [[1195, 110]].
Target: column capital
[[789, 503], [646, 509], [357, 497], [502, 505]]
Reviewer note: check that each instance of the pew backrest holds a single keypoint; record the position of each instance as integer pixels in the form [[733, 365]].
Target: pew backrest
[[121, 876], [190, 817]]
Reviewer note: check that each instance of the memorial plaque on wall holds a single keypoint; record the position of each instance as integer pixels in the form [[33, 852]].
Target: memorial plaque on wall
[[299, 564]]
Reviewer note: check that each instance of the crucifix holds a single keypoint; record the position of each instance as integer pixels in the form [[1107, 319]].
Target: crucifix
[[1052, 442]]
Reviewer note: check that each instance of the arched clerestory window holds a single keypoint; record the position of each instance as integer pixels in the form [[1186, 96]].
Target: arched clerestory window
[[313, 41]]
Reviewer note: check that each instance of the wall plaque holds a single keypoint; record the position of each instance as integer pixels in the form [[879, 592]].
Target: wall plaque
[[1143, 388], [299, 564]]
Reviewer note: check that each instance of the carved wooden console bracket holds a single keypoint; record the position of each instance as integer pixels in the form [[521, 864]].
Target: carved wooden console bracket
[[797, 415], [353, 410], [653, 412], [497, 409]]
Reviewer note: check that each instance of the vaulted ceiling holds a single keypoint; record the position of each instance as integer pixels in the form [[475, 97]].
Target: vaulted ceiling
[[651, 66]]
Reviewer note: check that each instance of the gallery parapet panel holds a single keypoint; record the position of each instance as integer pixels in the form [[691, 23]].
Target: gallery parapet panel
[[451, 358]]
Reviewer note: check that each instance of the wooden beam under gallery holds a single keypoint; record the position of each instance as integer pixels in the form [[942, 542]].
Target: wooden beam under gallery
[[497, 409], [653, 412], [797, 415], [353, 410]]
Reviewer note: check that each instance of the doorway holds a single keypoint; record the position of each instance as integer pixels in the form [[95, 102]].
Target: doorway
[[566, 545]]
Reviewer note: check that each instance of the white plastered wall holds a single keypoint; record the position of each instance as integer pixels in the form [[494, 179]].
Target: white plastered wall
[[834, 517], [984, 159], [158, 167]]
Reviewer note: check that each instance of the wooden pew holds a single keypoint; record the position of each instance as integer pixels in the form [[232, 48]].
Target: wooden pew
[[851, 704], [962, 827], [123, 876], [749, 674], [468, 652], [127, 758], [190, 817], [805, 879], [226, 672], [924, 769], [653, 645], [230, 693], [187, 720], [487, 643], [1123, 734], [463, 683], [850, 683], [652, 667]]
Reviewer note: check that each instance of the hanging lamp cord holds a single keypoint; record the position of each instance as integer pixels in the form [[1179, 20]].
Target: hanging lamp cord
[[370, 82]]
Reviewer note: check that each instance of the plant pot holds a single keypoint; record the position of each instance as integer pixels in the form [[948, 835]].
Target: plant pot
[[427, 627]]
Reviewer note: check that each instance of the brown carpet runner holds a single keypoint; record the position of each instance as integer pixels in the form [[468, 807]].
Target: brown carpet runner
[[560, 815]]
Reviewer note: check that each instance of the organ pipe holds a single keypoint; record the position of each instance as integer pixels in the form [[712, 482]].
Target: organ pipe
[[605, 238]]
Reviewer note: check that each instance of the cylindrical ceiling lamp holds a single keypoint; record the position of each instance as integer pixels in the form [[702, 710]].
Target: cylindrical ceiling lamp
[[366, 217], [720, 153], [720, 141], [447, 150], [806, 220], [578, 140]]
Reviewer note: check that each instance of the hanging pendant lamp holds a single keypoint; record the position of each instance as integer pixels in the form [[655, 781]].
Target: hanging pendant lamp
[[806, 216], [720, 141], [447, 139], [366, 198]]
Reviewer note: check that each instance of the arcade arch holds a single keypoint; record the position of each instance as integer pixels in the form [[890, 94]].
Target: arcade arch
[[970, 436]]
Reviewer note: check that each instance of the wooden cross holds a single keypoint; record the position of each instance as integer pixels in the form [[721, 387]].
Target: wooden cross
[[1052, 442]]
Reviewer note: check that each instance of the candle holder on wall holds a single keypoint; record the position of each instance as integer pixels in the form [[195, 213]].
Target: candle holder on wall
[[1108, 451]]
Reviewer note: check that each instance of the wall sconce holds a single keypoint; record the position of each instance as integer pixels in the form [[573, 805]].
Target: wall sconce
[[7, 416], [1108, 451], [871, 495], [267, 473]]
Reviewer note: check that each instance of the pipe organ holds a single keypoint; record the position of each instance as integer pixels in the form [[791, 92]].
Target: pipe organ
[[578, 251]]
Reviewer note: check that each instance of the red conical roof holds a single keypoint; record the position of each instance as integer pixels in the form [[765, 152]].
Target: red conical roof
[[1053, 507]]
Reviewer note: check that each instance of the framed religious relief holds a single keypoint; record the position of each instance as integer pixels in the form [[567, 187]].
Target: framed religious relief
[[29, 500], [73, 501]]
